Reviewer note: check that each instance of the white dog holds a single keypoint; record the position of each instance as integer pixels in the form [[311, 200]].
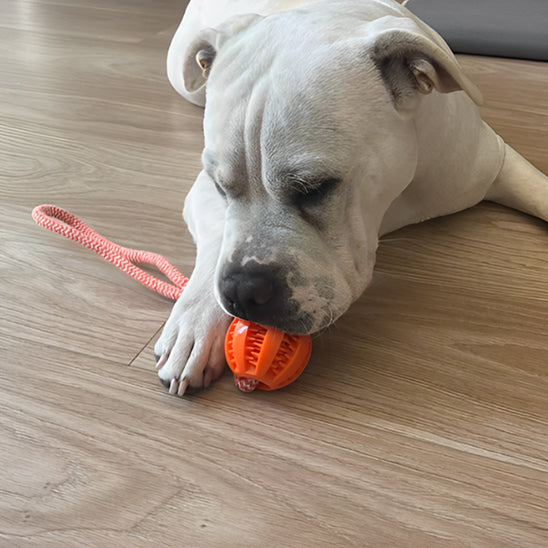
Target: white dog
[[328, 123]]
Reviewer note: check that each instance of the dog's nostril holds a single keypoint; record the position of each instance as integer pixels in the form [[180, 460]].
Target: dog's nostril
[[254, 291], [260, 292]]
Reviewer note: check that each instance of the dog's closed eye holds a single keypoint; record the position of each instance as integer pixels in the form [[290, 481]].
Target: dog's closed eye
[[312, 192]]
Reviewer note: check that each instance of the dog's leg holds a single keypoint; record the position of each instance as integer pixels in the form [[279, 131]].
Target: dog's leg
[[190, 351], [521, 186]]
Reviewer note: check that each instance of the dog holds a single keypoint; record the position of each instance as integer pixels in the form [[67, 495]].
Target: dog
[[327, 124]]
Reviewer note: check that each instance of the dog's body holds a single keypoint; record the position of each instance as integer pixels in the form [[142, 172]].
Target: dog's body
[[327, 124]]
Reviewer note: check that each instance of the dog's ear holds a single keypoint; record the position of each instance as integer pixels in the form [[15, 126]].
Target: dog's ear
[[201, 53], [199, 58], [413, 59]]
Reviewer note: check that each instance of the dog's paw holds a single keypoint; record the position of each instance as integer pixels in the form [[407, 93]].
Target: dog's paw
[[190, 352]]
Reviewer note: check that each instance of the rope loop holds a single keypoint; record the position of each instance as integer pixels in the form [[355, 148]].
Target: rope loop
[[126, 259]]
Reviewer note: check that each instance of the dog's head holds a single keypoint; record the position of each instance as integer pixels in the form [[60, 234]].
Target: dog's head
[[309, 137]]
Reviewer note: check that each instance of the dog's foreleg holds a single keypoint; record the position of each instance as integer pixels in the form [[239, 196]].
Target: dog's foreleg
[[521, 186], [190, 351]]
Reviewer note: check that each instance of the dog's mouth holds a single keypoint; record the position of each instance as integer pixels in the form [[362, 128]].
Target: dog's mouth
[[283, 315], [264, 296], [297, 327]]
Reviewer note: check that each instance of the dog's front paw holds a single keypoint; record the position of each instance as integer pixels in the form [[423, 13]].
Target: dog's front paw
[[190, 352]]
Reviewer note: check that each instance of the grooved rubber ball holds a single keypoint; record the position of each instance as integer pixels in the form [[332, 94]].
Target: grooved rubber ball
[[264, 357]]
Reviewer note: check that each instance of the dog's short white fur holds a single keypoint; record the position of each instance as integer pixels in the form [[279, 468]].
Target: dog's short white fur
[[327, 124]]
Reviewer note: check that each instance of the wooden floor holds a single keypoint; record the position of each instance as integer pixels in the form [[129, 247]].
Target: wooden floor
[[422, 419]]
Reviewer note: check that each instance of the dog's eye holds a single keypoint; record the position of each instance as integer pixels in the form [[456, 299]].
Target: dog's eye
[[315, 192]]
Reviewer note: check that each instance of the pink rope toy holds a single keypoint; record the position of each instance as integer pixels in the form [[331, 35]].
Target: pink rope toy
[[58, 220]]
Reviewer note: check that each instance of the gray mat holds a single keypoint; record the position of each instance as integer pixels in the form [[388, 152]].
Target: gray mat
[[504, 28]]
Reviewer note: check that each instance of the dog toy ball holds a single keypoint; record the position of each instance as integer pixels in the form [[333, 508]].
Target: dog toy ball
[[264, 357]]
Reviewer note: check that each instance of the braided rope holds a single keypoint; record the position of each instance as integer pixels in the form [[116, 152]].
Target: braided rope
[[245, 384], [58, 220]]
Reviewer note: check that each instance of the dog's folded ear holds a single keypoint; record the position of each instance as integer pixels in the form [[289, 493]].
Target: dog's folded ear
[[201, 53], [199, 58], [412, 58]]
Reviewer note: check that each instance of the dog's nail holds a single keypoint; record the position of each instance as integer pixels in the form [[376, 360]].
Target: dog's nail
[[161, 361], [173, 386], [183, 385]]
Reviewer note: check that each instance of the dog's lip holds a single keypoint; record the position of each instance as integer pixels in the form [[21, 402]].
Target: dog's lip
[[293, 333]]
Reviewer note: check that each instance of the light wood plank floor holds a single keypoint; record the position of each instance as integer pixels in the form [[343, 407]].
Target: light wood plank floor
[[422, 418]]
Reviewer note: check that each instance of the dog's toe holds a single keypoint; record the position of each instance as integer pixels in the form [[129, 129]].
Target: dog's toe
[[183, 385], [180, 387]]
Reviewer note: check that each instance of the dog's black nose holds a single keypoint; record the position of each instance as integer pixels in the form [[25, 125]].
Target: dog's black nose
[[251, 292]]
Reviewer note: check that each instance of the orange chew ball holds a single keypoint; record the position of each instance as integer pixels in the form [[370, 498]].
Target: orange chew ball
[[264, 357]]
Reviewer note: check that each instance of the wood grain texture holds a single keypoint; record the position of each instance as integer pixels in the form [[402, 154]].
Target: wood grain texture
[[422, 419]]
